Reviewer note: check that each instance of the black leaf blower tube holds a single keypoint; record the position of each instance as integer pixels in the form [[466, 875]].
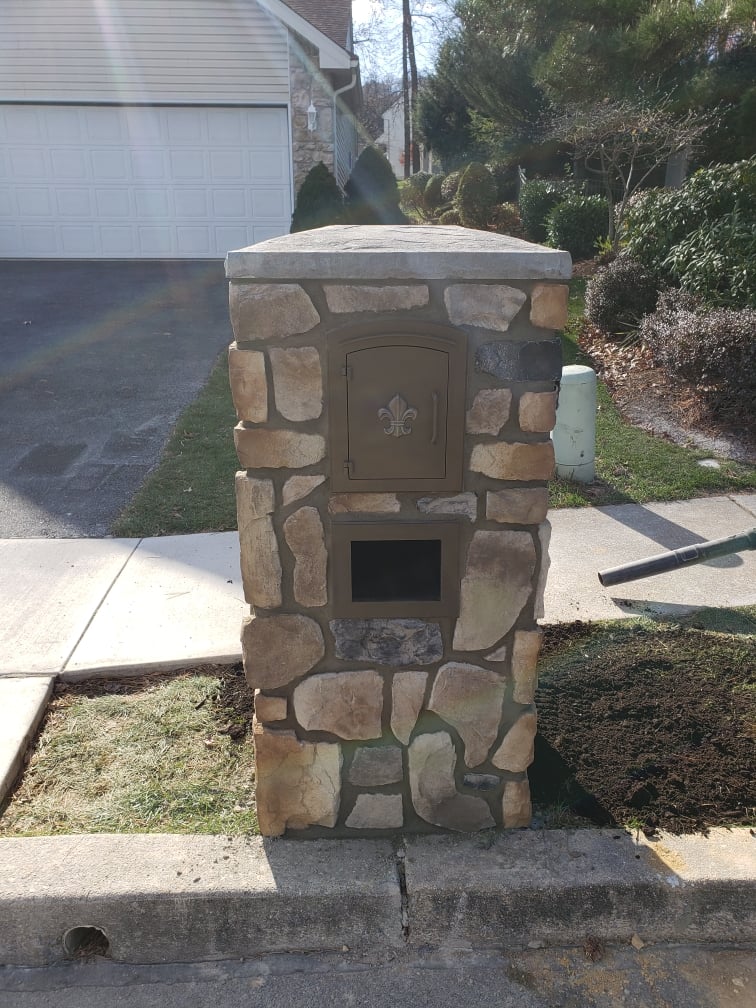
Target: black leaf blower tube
[[678, 558]]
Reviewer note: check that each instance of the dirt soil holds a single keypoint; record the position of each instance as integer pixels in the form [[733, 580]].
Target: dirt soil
[[646, 725]]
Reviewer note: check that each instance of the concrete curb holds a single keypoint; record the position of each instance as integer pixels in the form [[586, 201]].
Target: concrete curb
[[23, 702], [204, 898]]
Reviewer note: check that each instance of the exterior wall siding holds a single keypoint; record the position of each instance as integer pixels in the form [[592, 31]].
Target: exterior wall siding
[[196, 51]]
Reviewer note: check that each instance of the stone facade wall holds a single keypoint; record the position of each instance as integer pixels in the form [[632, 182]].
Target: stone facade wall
[[366, 725], [308, 84]]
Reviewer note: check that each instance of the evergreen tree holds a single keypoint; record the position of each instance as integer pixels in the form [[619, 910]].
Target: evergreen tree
[[372, 192], [319, 201]]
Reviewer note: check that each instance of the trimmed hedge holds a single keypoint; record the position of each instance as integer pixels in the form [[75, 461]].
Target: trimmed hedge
[[538, 197], [620, 294], [372, 191], [476, 196], [319, 201], [577, 224]]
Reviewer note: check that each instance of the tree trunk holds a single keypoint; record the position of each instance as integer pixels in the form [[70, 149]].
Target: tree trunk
[[413, 85], [406, 98]]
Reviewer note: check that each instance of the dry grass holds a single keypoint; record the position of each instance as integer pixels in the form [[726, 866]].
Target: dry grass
[[170, 754]]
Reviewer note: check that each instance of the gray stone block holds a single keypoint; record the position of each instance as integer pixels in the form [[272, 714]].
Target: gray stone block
[[394, 642], [536, 360]]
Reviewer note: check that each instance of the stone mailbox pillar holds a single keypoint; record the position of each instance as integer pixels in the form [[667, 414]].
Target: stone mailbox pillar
[[395, 388]]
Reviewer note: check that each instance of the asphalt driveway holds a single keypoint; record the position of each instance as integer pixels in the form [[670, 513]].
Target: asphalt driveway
[[97, 361]]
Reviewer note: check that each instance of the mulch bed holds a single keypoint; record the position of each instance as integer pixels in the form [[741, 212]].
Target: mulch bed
[[652, 727]]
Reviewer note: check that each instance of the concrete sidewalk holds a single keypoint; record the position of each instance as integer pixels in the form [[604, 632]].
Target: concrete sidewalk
[[77, 607]]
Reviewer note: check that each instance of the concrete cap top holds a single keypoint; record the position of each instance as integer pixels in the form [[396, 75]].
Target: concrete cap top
[[404, 252]]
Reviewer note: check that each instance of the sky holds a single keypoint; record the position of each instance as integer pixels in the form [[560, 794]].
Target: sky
[[386, 58]]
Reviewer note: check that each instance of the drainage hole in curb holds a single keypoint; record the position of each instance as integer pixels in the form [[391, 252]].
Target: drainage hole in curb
[[85, 942]]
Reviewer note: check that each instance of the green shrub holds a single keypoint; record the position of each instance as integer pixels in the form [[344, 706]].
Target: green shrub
[[450, 217], [433, 196], [620, 294], [319, 201], [372, 191], [505, 219], [412, 195], [715, 348], [578, 224], [507, 179], [718, 262], [658, 220], [538, 197], [450, 185], [476, 196]]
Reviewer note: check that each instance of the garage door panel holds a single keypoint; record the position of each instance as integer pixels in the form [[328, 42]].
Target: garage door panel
[[135, 182]]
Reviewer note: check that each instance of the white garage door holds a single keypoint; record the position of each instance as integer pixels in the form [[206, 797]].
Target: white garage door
[[135, 182]]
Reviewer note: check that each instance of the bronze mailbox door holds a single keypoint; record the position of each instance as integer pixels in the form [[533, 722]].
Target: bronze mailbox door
[[402, 404]]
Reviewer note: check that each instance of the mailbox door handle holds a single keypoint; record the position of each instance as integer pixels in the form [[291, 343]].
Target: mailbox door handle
[[434, 434]]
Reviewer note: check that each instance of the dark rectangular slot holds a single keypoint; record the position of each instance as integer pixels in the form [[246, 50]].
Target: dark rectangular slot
[[396, 570]]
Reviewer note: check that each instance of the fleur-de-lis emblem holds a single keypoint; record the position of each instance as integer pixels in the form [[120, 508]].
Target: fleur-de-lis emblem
[[399, 415]]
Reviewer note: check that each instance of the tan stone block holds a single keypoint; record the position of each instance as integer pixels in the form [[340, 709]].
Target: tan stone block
[[516, 750], [297, 784], [249, 388], [370, 503], [432, 760], [499, 655], [304, 535], [470, 699], [514, 461], [258, 448], [297, 382], [270, 311], [538, 411], [260, 563], [527, 646], [495, 588], [521, 506], [344, 298], [347, 704], [463, 505], [280, 648], [486, 306], [516, 810], [407, 694], [489, 411], [548, 305], [376, 811], [270, 708], [297, 487], [255, 498], [544, 538]]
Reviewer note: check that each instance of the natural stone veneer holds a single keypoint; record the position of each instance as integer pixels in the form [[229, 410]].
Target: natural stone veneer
[[489, 306], [249, 389], [376, 765], [254, 497], [277, 649], [463, 505], [496, 586], [516, 750], [352, 503], [432, 760], [260, 563], [305, 538], [343, 298], [407, 694], [548, 305], [277, 449], [297, 784], [469, 698], [270, 311], [538, 411], [297, 382], [527, 646], [516, 808], [347, 704], [388, 641], [507, 360], [489, 411], [523, 506], [297, 487], [270, 708], [376, 811], [514, 461]]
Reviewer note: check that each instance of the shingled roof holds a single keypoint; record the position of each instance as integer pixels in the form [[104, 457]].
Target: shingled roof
[[331, 17]]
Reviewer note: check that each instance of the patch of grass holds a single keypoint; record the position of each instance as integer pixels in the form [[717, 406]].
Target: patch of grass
[[165, 755], [192, 489], [633, 466]]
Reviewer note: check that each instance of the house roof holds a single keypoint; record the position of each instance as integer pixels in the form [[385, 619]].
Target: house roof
[[331, 17]]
